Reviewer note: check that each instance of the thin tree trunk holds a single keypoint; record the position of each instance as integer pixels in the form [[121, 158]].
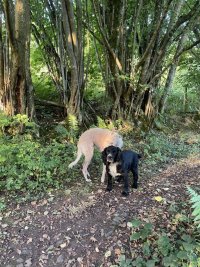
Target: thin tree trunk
[[171, 75], [1, 64], [75, 53], [186, 102]]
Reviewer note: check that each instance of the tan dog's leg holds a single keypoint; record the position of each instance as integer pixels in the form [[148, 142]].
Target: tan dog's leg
[[88, 153], [103, 174]]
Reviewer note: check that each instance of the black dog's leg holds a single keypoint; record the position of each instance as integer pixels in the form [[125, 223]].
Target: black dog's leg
[[135, 178], [109, 185], [126, 185], [119, 178]]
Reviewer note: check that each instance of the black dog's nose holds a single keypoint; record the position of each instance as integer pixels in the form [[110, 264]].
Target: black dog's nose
[[109, 157]]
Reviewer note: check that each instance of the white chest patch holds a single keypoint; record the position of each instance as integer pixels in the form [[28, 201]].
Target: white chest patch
[[113, 169]]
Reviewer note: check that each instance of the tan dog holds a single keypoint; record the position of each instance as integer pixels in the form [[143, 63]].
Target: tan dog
[[101, 138]]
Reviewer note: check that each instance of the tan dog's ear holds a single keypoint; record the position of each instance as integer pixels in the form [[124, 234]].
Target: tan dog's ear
[[104, 155]]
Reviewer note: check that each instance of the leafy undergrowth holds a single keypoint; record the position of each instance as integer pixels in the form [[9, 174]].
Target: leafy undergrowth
[[69, 221], [177, 244], [29, 165]]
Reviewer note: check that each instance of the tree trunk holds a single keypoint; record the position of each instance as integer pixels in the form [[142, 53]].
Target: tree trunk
[[185, 101], [171, 75], [1, 64], [137, 37], [19, 96], [75, 52]]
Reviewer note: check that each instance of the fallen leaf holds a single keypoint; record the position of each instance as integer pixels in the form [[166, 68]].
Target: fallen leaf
[[108, 254], [43, 202], [158, 198], [33, 203], [80, 260], [93, 239], [117, 251], [30, 239], [63, 245], [28, 262], [68, 192], [129, 224]]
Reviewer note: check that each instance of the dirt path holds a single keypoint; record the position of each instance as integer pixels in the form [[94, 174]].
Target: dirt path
[[82, 229]]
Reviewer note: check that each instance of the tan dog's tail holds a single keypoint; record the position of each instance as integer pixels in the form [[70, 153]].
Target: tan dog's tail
[[79, 154]]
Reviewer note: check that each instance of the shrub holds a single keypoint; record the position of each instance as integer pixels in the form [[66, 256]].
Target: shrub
[[29, 165], [25, 163]]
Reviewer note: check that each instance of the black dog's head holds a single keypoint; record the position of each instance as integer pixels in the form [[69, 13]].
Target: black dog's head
[[111, 154]]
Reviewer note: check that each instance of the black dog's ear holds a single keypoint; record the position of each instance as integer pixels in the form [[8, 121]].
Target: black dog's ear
[[104, 155], [118, 156]]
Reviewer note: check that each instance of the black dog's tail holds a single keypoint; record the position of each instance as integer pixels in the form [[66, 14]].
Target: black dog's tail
[[139, 156]]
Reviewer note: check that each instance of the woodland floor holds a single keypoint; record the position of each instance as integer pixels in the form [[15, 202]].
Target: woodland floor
[[86, 226]]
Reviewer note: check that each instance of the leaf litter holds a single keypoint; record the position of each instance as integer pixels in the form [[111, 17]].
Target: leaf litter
[[92, 229]]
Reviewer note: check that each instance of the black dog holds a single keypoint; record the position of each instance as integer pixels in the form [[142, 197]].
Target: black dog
[[118, 164]]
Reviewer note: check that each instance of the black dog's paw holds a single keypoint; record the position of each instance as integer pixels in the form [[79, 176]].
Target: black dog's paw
[[125, 193], [135, 186], [108, 189], [119, 179]]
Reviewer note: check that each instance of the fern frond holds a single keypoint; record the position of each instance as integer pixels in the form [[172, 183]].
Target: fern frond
[[72, 123], [195, 200]]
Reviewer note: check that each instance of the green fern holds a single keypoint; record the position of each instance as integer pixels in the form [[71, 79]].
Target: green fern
[[101, 123], [195, 200], [72, 127], [72, 123]]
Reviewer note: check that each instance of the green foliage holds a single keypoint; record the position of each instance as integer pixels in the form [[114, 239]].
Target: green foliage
[[69, 130], [109, 124], [161, 148], [164, 245], [123, 262], [171, 247], [2, 204], [143, 231], [72, 122], [101, 123], [72, 127], [61, 131], [43, 84], [27, 165], [187, 78], [195, 200], [18, 124]]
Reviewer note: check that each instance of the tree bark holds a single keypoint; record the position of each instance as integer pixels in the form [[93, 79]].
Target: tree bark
[[20, 87], [74, 41], [171, 75], [1, 64]]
